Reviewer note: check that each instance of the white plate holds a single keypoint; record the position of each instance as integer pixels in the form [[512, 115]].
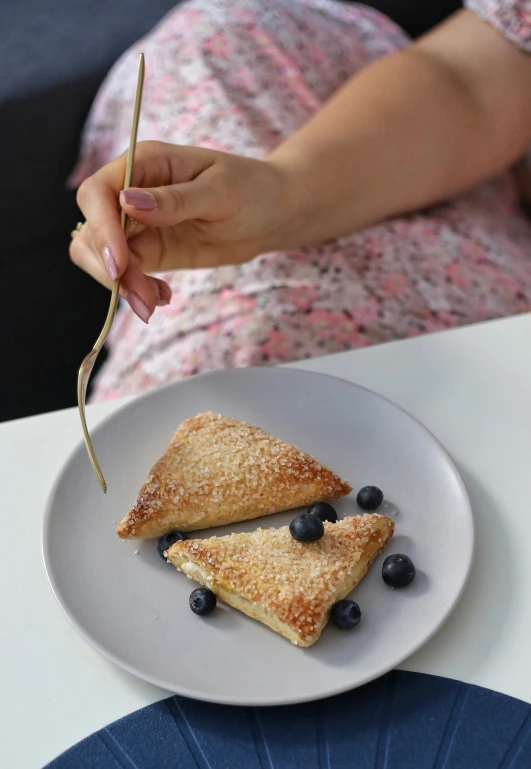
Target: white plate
[[133, 607]]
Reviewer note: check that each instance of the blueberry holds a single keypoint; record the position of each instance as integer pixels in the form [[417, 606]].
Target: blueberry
[[398, 570], [369, 498], [306, 528], [346, 614], [168, 540], [323, 511], [202, 601]]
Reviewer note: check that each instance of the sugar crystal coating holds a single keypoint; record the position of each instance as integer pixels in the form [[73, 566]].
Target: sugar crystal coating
[[219, 470], [297, 582]]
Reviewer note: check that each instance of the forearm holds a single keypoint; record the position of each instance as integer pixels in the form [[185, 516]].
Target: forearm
[[410, 130]]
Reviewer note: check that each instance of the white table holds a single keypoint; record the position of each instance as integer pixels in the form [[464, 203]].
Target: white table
[[471, 387]]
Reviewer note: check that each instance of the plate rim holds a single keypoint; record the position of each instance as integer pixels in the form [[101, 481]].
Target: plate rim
[[184, 691]]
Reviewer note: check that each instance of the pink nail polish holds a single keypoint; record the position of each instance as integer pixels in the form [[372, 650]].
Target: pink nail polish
[[138, 306], [109, 263], [164, 294], [139, 199]]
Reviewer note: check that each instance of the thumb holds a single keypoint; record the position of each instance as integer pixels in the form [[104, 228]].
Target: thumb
[[175, 203]]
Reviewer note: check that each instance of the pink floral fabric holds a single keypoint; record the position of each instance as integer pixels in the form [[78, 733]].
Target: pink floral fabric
[[241, 76], [511, 17]]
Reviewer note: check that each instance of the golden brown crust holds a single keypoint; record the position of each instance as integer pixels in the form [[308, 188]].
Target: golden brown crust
[[289, 586], [218, 470]]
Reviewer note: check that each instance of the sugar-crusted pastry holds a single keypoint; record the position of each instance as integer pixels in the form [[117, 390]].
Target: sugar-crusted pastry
[[288, 585], [219, 470]]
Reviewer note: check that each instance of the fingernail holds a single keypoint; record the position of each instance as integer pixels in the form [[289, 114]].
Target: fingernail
[[139, 199], [164, 294], [138, 306], [109, 263]]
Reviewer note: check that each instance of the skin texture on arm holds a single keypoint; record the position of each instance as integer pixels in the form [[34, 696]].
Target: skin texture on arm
[[412, 129]]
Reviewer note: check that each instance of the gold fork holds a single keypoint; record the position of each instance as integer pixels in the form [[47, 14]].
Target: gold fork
[[88, 363]]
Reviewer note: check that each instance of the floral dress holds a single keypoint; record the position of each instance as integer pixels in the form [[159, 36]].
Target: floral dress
[[241, 76]]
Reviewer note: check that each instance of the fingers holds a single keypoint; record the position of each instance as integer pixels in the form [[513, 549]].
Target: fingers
[[143, 292], [156, 165], [175, 184], [201, 199], [83, 254], [98, 201], [164, 293]]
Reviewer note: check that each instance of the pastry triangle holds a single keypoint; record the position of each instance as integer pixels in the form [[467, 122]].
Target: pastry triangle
[[218, 470], [290, 586]]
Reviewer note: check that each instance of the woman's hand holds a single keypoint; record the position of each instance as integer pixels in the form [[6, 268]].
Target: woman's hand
[[408, 131], [189, 208]]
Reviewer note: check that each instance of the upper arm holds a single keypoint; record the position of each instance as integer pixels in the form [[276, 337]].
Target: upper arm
[[495, 72], [510, 17]]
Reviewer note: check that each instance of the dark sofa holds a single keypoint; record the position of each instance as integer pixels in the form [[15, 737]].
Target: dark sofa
[[53, 54]]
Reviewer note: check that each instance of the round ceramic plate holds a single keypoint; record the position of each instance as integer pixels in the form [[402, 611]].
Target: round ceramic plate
[[133, 607]]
